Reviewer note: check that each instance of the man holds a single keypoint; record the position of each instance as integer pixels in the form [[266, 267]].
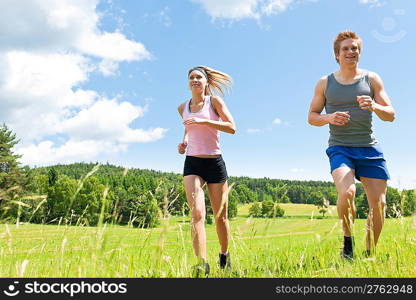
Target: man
[[350, 96]]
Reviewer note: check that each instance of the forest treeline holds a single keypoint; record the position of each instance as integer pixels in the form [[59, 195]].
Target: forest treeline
[[90, 193]]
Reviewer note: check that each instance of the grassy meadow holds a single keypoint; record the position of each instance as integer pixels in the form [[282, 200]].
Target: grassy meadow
[[301, 244]]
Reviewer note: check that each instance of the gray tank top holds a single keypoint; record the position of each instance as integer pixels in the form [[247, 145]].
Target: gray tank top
[[358, 131]]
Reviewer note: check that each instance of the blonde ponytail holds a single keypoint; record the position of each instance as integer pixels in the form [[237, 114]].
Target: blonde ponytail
[[217, 82]]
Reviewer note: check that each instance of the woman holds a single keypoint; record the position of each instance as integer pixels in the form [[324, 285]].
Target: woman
[[204, 115]]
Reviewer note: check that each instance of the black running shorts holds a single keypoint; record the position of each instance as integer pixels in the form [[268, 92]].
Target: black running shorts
[[212, 170]]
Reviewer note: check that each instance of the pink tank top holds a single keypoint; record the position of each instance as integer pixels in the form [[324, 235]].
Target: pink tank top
[[202, 139]]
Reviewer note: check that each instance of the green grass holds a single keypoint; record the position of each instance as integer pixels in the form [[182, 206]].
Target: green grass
[[298, 245]]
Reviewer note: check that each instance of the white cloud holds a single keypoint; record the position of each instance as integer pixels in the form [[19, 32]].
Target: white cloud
[[164, 17], [108, 120], [231, 9], [373, 3], [46, 152], [241, 9], [36, 90], [142, 136], [368, 1], [254, 130], [297, 170], [254, 9], [105, 119], [63, 25], [161, 16], [48, 49], [40, 75], [112, 46], [108, 67], [276, 6], [403, 181], [277, 121], [82, 98]]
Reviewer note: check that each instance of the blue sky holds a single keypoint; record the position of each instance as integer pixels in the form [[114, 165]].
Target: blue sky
[[101, 80]]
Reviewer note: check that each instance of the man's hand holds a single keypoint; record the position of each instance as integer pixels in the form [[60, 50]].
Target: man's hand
[[366, 103], [339, 118]]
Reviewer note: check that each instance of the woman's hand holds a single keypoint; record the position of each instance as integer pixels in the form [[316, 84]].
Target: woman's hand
[[191, 121], [182, 147]]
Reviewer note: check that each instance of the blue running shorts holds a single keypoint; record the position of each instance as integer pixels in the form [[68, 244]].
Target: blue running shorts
[[366, 161]]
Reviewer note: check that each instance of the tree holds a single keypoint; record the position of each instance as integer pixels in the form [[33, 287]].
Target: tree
[[89, 200], [255, 210], [52, 176], [270, 209], [394, 207], [361, 205], [209, 213], [393, 200], [267, 208], [315, 197], [59, 198], [12, 180], [178, 204], [10, 173], [39, 184], [245, 195], [279, 211], [232, 204], [278, 193], [408, 202], [125, 187], [323, 205], [331, 195], [147, 214]]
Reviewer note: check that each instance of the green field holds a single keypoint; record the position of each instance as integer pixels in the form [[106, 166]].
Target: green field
[[298, 245]]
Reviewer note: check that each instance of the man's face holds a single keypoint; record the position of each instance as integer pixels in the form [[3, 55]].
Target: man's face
[[349, 53]]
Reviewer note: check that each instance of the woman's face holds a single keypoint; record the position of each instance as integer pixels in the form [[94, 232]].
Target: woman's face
[[197, 81]]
